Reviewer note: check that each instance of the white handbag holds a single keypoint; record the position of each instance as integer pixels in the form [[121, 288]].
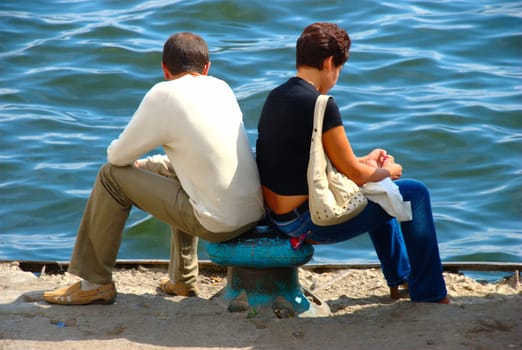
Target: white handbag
[[333, 198]]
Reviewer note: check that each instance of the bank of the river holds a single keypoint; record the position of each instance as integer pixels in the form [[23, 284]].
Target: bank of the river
[[481, 316]]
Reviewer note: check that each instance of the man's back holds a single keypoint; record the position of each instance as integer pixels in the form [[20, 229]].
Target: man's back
[[198, 122]]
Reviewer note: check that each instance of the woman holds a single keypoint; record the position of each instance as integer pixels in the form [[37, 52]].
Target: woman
[[408, 252]]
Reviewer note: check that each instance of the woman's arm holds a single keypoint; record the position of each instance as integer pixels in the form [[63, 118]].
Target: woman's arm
[[339, 151]]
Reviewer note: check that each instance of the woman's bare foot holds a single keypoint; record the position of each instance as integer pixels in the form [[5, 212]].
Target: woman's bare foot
[[446, 300], [399, 292]]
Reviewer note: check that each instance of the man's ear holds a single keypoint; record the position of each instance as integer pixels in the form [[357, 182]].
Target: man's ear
[[166, 73], [206, 69]]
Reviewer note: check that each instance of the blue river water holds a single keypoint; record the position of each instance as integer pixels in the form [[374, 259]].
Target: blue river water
[[436, 83]]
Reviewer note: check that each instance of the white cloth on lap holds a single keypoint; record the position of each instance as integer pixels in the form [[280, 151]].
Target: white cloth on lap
[[386, 193]]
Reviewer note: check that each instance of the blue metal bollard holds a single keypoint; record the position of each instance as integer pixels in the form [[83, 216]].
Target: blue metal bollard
[[263, 265]]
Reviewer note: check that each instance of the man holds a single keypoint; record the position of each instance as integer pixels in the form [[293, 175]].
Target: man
[[206, 185]]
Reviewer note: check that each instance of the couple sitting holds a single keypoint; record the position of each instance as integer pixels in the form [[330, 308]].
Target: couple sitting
[[209, 186]]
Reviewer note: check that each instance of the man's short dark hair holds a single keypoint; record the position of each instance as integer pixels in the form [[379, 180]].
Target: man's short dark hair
[[319, 41], [185, 52]]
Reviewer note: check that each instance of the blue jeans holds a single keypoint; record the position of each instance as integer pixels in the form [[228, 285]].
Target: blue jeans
[[407, 251]]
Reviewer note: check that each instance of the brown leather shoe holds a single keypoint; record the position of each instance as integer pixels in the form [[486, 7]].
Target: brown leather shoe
[[178, 288], [74, 295]]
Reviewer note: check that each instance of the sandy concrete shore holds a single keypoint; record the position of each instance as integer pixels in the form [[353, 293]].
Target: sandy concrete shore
[[481, 316]]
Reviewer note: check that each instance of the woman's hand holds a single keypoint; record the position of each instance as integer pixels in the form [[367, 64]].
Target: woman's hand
[[376, 158], [379, 158], [393, 168], [377, 155], [374, 167]]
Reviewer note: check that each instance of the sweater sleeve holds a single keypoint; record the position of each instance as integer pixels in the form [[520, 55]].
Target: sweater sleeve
[[142, 134]]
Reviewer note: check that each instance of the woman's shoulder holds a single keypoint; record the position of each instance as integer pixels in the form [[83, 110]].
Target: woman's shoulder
[[295, 88]]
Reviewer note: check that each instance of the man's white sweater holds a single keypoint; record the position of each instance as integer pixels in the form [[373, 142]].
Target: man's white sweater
[[198, 122]]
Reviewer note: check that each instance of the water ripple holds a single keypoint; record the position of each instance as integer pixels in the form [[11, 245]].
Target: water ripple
[[437, 83]]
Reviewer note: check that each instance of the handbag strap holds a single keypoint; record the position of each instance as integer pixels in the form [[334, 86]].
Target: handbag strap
[[317, 131]]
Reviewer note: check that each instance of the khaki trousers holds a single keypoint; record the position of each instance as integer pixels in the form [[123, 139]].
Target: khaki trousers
[[154, 188]]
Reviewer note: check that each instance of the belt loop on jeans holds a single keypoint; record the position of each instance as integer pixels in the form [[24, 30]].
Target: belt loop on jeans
[[300, 210]]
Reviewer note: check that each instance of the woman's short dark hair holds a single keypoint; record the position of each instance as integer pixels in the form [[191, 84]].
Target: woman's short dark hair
[[319, 41], [185, 52]]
